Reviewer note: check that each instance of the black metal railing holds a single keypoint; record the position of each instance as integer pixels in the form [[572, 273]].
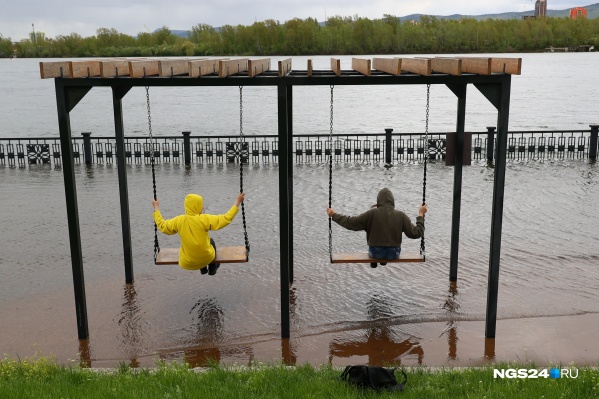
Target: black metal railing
[[369, 147]]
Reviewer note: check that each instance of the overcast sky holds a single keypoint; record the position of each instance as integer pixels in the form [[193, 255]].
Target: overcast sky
[[84, 17]]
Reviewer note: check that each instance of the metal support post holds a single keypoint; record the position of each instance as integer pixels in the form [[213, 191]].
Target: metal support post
[[187, 148], [460, 91], [119, 133], [87, 148], [593, 143], [64, 127], [290, 175], [388, 145], [284, 206], [490, 144], [497, 213]]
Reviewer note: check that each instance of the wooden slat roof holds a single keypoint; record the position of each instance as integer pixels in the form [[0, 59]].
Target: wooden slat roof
[[224, 67]]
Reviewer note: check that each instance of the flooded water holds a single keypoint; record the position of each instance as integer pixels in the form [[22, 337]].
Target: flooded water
[[340, 313], [405, 314]]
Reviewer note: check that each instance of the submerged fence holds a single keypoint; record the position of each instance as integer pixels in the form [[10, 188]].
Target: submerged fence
[[373, 147]]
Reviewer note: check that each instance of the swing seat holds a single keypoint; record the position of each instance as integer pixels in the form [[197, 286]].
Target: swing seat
[[362, 257], [170, 256]]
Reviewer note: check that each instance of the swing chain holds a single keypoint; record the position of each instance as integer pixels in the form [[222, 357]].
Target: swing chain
[[152, 163], [426, 155], [241, 148], [331, 176]]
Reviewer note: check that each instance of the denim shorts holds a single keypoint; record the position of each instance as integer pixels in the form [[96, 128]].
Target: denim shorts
[[388, 253]]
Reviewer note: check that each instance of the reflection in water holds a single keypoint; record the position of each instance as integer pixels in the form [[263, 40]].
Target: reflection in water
[[131, 325], [451, 306], [490, 348], [85, 360], [209, 331], [289, 350], [382, 346]]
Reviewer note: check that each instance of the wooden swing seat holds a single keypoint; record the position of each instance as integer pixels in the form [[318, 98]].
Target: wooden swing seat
[[170, 256], [362, 257]]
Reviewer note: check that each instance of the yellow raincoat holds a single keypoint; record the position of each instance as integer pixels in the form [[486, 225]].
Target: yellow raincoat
[[196, 251]]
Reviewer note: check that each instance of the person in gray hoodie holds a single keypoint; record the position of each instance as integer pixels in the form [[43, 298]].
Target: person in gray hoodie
[[384, 226]]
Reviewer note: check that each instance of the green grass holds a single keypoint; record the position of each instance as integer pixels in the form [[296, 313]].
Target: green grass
[[43, 378]]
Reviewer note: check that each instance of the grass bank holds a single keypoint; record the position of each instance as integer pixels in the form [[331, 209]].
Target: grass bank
[[43, 378]]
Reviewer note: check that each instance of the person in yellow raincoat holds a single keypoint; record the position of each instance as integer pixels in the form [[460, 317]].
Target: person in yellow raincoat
[[197, 250]]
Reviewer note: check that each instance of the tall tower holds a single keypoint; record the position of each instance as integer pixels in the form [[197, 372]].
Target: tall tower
[[541, 8]]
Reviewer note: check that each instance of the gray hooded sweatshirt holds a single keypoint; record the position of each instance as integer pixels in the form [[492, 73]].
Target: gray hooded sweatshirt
[[383, 225]]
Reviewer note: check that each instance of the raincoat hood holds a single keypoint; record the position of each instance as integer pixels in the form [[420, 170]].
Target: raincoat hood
[[385, 198], [194, 204]]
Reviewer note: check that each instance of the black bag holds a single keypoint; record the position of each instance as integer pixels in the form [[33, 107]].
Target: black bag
[[377, 378]]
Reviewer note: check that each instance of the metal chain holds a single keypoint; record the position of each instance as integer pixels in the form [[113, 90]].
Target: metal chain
[[152, 162], [426, 155], [331, 177], [241, 147]]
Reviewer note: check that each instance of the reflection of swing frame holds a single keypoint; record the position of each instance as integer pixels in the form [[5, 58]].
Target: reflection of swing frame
[[491, 76]]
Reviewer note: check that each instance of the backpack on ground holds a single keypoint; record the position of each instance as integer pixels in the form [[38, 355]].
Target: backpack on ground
[[373, 377]]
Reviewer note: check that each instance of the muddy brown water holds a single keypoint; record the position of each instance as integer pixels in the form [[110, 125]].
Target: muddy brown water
[[405, 314]]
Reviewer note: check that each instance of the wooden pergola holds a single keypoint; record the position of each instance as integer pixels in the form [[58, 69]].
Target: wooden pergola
[[74, 79]]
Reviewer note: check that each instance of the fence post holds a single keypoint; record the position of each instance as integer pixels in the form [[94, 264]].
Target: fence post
[[593, 143], [187, 148], [388, 145], [490, 143], [87, 147]]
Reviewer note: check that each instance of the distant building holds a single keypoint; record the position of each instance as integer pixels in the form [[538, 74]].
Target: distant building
[[541, 8], [578, 12]]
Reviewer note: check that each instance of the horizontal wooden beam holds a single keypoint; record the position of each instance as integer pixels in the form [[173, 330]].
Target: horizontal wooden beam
[[284, 67], [232, 67], [362, 257], [479, 66], [451, 66], [203, 67], [85, 69], [336, 66], [114, 68], [175, 67], [511, 66], [362, 65], [387, 65], [144, 68], [257, 67], [59, 69], [421, 66]]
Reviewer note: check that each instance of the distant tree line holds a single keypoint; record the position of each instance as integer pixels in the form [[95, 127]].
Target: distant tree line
[[339, 35]]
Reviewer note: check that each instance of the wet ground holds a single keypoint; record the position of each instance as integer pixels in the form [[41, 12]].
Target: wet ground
[[405, 314]]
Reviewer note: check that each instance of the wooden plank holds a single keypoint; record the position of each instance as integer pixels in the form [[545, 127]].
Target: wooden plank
[[114, 68], [174, 67], [231, 67], [170, 256], [256, 67], [421, 66], [140, 69], [284, 67], [388, 65], [511, 66], [85, 69], [203, 67], [55, 69], [479, 66], [336, 66], [451, 66], [362, 257], [361, 65], [309, 68]]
